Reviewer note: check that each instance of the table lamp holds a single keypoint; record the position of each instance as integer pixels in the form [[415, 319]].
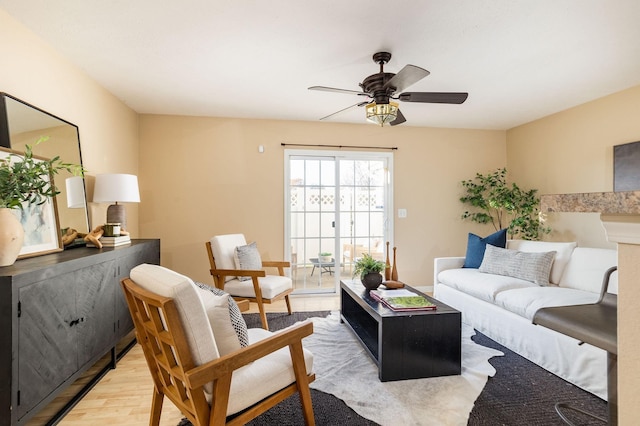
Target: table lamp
[[116, 188]]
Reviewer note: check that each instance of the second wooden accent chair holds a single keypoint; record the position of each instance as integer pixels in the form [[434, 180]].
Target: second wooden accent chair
[[236, 268]]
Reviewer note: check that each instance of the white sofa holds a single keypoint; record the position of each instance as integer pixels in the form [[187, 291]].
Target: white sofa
[[502, 307]]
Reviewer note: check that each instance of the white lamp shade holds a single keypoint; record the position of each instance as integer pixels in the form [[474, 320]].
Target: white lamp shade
[[116, 188], [75, 192]]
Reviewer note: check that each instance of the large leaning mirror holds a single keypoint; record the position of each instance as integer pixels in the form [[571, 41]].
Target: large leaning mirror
[[23, 124]]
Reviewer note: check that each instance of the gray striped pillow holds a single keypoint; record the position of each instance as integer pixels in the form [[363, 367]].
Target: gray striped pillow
[[534, 267]]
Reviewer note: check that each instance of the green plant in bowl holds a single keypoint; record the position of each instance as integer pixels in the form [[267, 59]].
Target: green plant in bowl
[[367, 265]]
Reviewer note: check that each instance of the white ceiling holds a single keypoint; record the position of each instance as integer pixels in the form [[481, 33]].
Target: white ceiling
[[518, 59]]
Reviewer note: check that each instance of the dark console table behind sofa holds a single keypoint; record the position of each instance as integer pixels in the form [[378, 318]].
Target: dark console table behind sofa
[[59, 315]]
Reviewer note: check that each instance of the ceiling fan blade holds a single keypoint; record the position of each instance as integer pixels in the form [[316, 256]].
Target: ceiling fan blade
[[434, 97], [344, 109], [407, 76], [399, 119], [333, 89]]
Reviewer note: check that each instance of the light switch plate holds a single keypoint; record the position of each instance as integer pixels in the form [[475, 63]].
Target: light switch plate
[[402, 213]]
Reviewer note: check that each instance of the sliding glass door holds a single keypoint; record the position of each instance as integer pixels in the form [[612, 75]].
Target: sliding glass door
[[338, 207]]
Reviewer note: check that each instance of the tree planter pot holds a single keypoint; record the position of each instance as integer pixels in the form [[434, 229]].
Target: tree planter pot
[[371, 280], [11, 237]]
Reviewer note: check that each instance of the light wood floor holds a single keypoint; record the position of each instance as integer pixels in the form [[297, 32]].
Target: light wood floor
[[123, 396]]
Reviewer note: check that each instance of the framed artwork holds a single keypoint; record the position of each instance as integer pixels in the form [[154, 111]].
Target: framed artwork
[[40, 222], [626, 167]]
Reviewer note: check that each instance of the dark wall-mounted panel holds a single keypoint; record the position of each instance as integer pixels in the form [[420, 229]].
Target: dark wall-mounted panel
[[626, 167]]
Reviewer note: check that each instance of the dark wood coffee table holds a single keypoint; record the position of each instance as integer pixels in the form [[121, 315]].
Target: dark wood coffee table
[[404, 345]]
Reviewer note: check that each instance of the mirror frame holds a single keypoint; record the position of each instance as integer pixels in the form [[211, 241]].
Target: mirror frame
[[5, 141]]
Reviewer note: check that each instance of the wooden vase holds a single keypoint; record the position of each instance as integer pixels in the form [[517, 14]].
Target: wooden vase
[[394, 270], [387, 269]]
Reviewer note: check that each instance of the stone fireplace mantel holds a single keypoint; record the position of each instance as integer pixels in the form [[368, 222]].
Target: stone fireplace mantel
[[593, 202]]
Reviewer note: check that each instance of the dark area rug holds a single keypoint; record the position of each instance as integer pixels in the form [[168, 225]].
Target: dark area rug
[[521, 393]]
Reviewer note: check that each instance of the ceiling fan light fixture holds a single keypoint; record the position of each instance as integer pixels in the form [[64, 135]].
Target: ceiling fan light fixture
[[382, 113]]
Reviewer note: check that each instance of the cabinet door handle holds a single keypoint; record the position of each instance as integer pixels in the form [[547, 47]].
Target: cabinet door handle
[[76, 321]]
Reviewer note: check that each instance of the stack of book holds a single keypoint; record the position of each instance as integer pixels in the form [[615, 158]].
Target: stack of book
[[113, 241], [403, 300]]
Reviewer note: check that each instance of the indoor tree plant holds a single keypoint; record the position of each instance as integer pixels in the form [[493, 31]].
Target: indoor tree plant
[[504, 205], [24, 179], [369, 271]]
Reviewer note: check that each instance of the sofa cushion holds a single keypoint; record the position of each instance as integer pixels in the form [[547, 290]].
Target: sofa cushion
[[563, 253], [534, 267], [587, 267], [480, 285], [476, 246], [526, 301]]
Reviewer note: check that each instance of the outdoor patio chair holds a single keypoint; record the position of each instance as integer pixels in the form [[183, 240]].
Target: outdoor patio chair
[[236, 267], [184, 332]]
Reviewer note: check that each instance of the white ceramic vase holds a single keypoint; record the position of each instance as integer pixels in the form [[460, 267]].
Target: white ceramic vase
[[11, 237]]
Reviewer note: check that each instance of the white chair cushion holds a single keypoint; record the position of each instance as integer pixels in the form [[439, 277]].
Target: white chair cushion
[[587, 267], [223, 248], [181, 289], [526, 301], [480, 285], [563, 254], [217, 309], [264, 376], [271, 286]]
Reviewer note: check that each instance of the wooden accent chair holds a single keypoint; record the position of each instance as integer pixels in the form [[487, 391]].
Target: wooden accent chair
[[183, 349], [258, 287], [352, 252]]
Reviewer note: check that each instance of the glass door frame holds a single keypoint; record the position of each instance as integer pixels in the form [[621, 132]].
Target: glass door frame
[[337, 156]]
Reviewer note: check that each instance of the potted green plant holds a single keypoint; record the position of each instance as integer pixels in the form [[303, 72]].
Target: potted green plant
[[368, 269], [324, 257], [24, 179]]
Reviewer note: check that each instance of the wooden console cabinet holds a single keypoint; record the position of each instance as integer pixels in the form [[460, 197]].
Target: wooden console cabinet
[[59, 315]]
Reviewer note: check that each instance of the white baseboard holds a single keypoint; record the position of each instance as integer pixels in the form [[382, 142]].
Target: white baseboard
[[424, 289]]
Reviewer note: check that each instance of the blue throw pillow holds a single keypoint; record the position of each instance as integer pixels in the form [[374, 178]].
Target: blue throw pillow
[[476, 246]]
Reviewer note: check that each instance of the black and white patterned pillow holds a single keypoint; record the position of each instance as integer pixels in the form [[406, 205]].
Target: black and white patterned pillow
[[237, 320]]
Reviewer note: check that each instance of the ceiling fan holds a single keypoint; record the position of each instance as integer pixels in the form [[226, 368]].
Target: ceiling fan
[[382, 88]]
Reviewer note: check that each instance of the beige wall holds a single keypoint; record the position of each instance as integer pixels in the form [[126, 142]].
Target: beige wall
[[35, 73], [572, 151], [204, 176]]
